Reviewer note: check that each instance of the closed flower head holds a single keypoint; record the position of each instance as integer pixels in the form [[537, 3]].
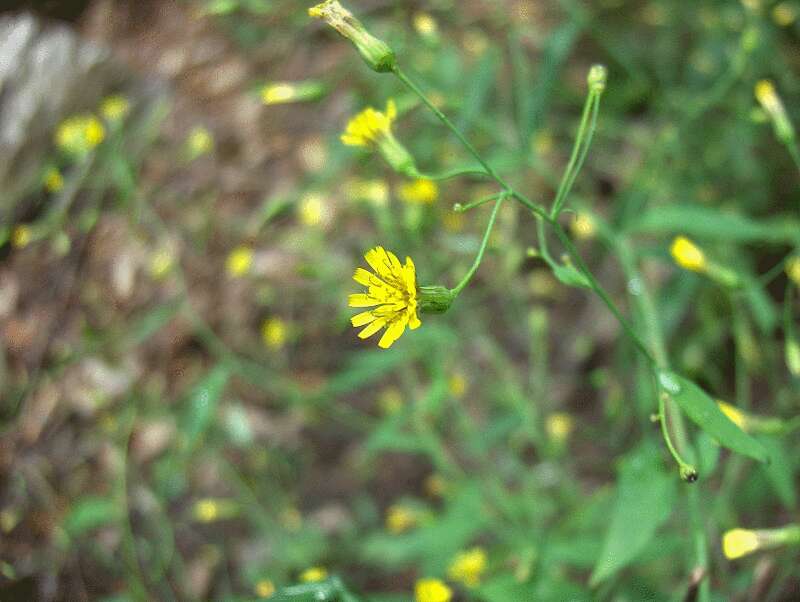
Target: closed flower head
[[391, 293], [315, 573], [371, 128], [769, 100], [739, 542], [376, 53], [688, 255], [468, 567]]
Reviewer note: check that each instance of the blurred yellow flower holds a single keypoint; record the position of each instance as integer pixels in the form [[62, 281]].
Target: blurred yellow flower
[[425, 25], [315, 573], [793, 270], [739, 542], [21, 236], [206, 510], [559, 426], [435, 485], [420, 191], [312, 209], [457, 385], [274, 331], [400, 519], [53, 180], [733, 413], [115, 108], [79, 134], [391, 291], [375, 192], [161, 263], [432, 590], [264, 588], [583, 227], [784, 14], [468, 567], [768, 97], [278, 93], [370, 125], [688, 255], [199, 142], [239, 261]]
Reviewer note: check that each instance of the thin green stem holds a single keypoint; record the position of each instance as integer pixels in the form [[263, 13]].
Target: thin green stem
[[459, 208], [579, 151], [794, 152], [479, 257], [454, 173]]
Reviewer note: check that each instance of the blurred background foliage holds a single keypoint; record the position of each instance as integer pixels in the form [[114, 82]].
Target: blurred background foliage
[[187, 413]]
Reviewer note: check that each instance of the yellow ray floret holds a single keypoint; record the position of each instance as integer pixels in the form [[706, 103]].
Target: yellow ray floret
[[370, 125], [391, 293]]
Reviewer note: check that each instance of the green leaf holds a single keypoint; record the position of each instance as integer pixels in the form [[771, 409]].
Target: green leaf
[[705, 413], [715, 224], [780, 471], [89, 513], [201, 405], [645, 495]]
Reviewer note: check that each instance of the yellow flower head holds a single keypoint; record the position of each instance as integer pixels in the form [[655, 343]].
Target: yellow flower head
[[79, 134], [239, 261], [425, 25], [315, 573], [583, 227], [391, 292], [53, 180], [457, 385], [432, 590], [115, 108], [739, 542], [793, 269], [376, 53], [265, 588], [274, 94], [273, 331], [370, 125], [161, 263], [400, 519], [559, 426], [733, 413], [421, 191], [21, 236], [200, 142], [312, 210], [768, 97], [468, 567], [206, 511], [687, 254], [784, 14]]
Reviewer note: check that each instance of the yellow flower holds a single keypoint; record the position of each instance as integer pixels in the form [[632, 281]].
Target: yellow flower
[[425, 25], [432, 590], [400, 519], [315, 573], [206, 511], [784, 14], [457, 385], [239, 261], [376, 53], [312, 209], [391, 291], [688, 255], [435, 485], [273, 331], [279, 93], [53, 180], [468, 567], [115, 108], [161, 263], [770, 101], [370, 125], [200, 142], [265, 588], [793, 270], [559, 426], [79, 134], [733, 413], [583, 227], [420, 191], [739, 542], [21, 236]]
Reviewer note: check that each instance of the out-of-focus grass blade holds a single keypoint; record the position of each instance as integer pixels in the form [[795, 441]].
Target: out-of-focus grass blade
[[89, 513], [705, 413], [645, 495], [151, 322], [481, 83], [714, 224], [761, 306], [201, 405], [780, 471]]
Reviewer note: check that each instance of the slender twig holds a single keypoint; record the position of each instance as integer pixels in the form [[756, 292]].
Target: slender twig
[[479, 257]]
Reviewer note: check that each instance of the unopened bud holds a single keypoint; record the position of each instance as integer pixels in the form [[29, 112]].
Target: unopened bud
[[768, 97], [376, 53], [596, 79], [435, 299]]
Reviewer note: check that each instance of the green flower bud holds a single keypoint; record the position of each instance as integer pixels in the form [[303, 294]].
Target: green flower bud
[[596, 79], [435, 299], [375, 52]]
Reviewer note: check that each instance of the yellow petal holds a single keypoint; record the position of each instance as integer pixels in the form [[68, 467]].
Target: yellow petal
[[372, 329], [362, 300], [391, 110], [413, 320], [363, 277], [393, 333], [365, 317]]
